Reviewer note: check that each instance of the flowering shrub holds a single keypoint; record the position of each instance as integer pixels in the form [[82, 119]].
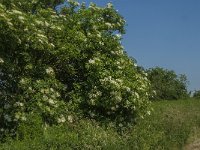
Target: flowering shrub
[[58, 64]]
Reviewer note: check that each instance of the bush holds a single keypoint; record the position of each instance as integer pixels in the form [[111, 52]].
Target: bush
[[167, 85], [66, 65]]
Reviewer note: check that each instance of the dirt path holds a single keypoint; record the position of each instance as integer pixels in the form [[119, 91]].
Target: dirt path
[[193, 146]]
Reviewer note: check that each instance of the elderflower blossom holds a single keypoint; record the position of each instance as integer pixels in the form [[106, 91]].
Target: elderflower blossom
[[23, 118], [70, 118], [148, 112], [41, 35], [1, 61], [109, 5], [2, 129], [108, 24], [19, 104], [128, 89], [101, 43], [61, 119], [38, 22], [21, 18], [118, 36], [17, 12], [74, 2], [50, 71], [51, 101], [91, 61]]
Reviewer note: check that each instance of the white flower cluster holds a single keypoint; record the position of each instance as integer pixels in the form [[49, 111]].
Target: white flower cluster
[[109, 25], [23, 81], [50, 96], [20, 116], [1, 61], [94, 94], [94, 60], [93, 6], [109, 5], [75, 3], [39, 22], [116, 95], [110, 80], [118, 36], [118, 52], [17, 12], [62, 119], [56, 27], [19, 104], [50, 71]]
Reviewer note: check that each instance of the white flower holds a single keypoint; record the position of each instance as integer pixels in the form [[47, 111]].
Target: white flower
[[19, 104], [23, 81], [45, 98], [21, 18], [51, 89], [137, 95], [135, 64], [51, 101], [120, 125], [99, 35], [148, 113], [17, 12], [61, 119], [118, 36], [70, 118], [101, 43], [119, 67], [91, 61], [1, 60], [118, 98], [50, 71], [128, 89], [113, 108], [30, 88], [74, 2], [17, 116], [57, 94], [2, 129], [52, 45], [23, 118], [109, 5], [46, 24], [41, 35], [108, 24]]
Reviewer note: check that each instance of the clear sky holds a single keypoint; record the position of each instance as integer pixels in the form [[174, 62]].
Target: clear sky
[[164, 33]]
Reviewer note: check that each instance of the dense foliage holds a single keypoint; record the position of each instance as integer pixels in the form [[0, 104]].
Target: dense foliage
[[166, 84], [64, 65]]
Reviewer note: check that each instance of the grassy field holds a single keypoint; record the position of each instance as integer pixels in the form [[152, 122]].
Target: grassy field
[[173, 125]]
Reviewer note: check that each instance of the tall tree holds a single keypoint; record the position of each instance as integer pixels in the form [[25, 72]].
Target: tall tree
[[167, 84]]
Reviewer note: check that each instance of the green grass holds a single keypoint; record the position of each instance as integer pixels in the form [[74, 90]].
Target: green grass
[[172, 125]]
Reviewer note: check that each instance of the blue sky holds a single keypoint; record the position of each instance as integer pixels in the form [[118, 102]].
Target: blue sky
[[163, 33]]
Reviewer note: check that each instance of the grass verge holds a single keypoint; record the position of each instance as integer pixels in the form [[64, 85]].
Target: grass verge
[[172, 125]]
